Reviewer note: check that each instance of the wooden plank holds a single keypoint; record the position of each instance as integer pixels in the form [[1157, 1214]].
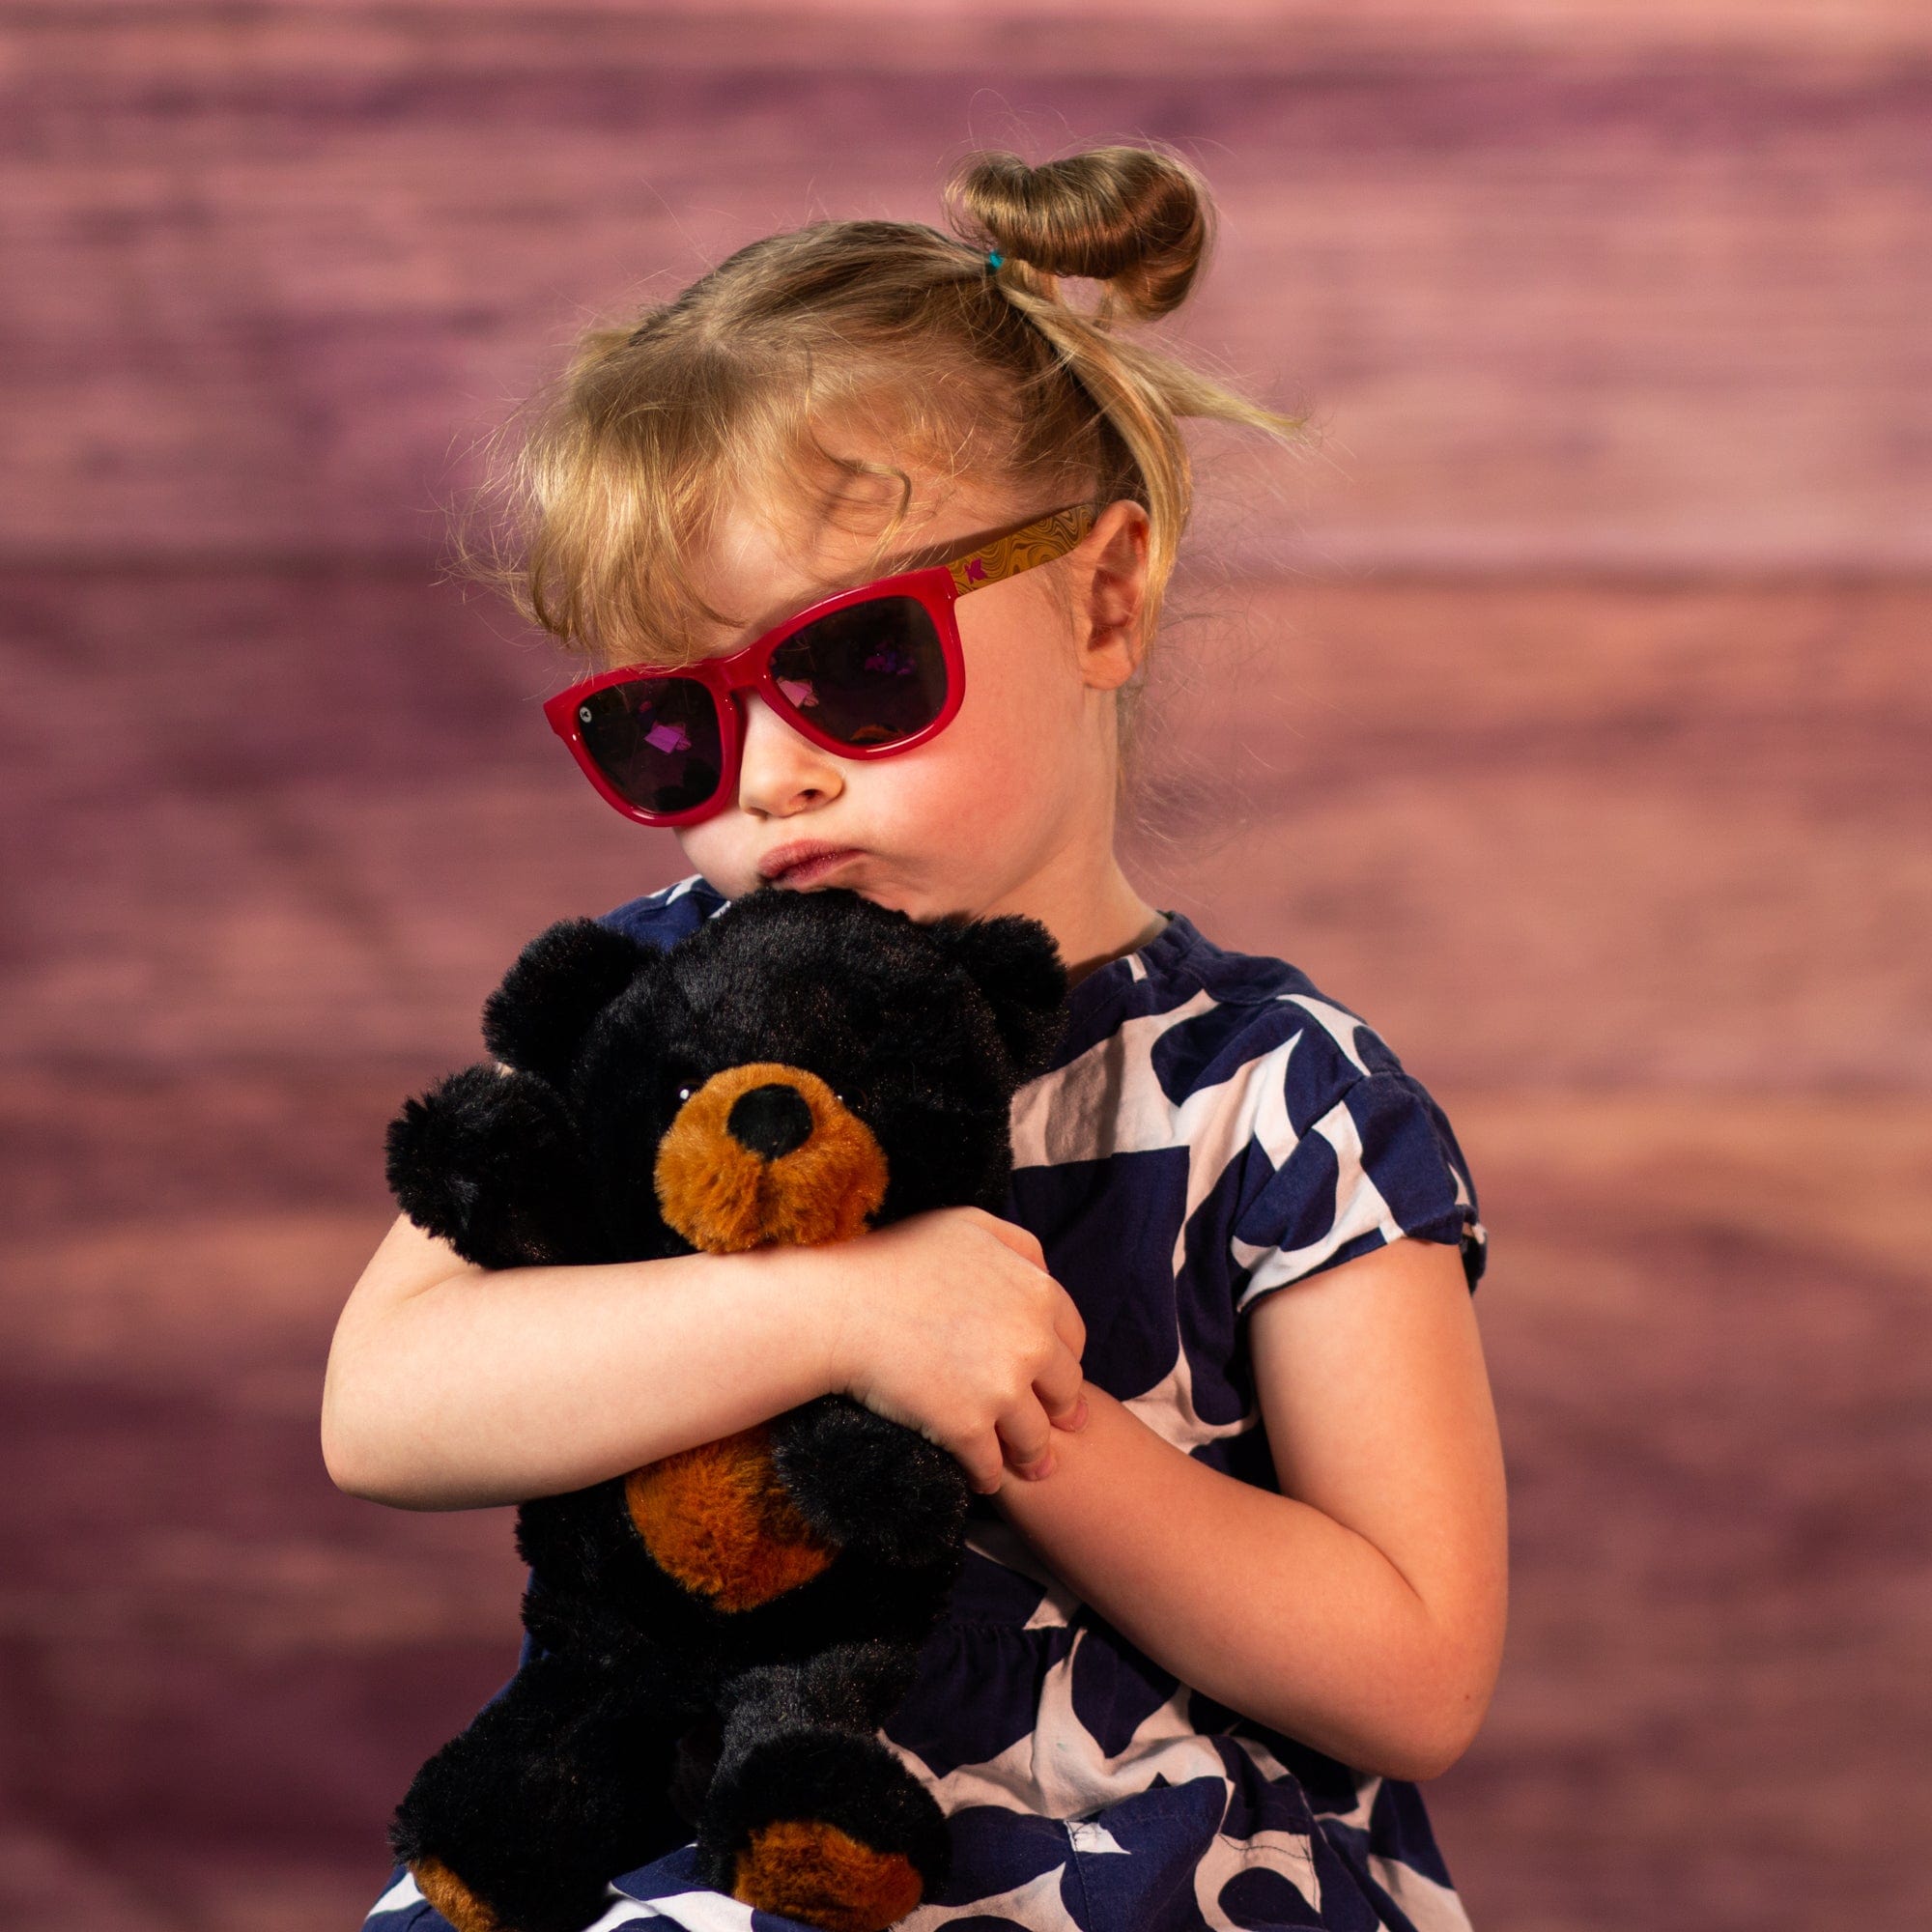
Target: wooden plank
[[1708, 1337], [1608, 303], [1609, 834]]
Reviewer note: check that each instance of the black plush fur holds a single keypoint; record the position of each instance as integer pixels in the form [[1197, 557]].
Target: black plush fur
[[645, 1709]]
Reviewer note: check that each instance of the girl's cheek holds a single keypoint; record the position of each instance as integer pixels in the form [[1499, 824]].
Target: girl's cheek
[[722, 861], [988, 785]]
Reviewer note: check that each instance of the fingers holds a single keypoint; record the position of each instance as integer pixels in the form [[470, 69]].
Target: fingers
[[1067, 1318], [1016, 1328], [984, 1465], [1058, 1386], [1026, 1437]]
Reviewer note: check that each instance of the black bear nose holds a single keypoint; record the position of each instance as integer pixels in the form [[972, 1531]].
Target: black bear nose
[[770, 1120]]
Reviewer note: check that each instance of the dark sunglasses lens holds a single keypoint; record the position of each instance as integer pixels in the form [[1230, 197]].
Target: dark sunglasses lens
[[655, 739], [870, 674]]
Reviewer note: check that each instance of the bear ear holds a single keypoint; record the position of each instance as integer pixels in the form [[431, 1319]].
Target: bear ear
[[1015, 963], [535, 1021]]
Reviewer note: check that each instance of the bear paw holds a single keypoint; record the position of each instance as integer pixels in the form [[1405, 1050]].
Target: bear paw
[[801, 1869], [827, 1826], [453, 1898]]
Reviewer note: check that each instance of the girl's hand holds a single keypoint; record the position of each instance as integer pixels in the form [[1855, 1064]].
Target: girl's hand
[[948, 1323]]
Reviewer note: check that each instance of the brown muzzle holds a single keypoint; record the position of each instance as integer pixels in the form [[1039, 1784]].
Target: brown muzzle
[[768, 1152]]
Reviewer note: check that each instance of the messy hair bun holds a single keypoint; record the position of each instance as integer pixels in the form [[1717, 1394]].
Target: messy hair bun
[[1135, 218]]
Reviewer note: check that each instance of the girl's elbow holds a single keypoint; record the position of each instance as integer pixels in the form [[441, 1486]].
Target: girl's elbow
[[1461, 1676], [1434, 1754], [1454, 1726], [352, 1453], [346, 1456], [358, 1473]]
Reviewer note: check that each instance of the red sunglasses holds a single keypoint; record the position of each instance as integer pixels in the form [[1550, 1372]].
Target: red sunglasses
[[866, 673]]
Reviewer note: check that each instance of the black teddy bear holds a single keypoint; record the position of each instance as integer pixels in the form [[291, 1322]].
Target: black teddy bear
[[716, 1638]]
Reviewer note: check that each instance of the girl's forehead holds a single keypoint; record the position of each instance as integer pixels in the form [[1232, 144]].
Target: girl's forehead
[[762, 563], [761, 571]]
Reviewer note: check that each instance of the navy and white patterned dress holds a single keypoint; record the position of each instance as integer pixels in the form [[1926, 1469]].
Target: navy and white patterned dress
[[1212, 1128]]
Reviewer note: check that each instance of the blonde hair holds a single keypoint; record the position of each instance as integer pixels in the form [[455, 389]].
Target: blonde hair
[[721, 394]]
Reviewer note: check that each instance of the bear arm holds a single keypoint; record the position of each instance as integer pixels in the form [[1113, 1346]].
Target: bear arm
[[868, 1484], [490, 1161]]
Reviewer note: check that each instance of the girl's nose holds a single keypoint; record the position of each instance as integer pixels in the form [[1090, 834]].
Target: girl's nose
[[781, 772]]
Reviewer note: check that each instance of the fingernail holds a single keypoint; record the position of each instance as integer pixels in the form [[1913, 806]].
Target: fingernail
[[1035, 1472], [1078, 1419]]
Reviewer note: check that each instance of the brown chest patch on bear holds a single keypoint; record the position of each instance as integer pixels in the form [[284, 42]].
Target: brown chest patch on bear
[[717, 1518]]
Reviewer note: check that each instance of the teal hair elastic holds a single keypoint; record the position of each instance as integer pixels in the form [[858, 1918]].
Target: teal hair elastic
[[994, 259]]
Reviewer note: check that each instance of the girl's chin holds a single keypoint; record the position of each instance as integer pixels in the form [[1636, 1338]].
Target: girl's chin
[[898, 899], [891, 897]]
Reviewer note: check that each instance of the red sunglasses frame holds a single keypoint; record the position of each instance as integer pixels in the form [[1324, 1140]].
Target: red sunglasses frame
[[936, 588]]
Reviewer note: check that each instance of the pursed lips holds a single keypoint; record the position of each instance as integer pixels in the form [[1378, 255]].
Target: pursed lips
[[800, 870]]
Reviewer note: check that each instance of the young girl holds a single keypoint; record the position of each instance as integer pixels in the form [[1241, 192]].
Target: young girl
[[1237, 1576]]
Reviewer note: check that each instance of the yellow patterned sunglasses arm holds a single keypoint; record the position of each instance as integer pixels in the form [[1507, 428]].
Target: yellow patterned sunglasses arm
[[1006, 556]]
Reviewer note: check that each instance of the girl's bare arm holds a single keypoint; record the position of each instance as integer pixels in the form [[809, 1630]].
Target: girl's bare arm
[[1362, 1611], [451, 1386]]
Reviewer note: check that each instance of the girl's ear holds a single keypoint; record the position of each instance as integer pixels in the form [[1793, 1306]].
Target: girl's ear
[[1015, 963], [537, 1020], [1114, 596]]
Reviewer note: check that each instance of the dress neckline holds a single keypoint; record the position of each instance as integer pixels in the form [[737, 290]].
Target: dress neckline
[[1155, 960]]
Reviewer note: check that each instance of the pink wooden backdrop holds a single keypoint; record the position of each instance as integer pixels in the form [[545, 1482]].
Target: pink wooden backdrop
[[1566, 713]]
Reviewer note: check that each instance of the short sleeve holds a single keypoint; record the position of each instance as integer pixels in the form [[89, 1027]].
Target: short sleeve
[[1380, 1161]]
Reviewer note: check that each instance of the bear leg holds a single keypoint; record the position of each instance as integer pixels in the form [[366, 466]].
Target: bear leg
[[561, 1783], [809, 1815]]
